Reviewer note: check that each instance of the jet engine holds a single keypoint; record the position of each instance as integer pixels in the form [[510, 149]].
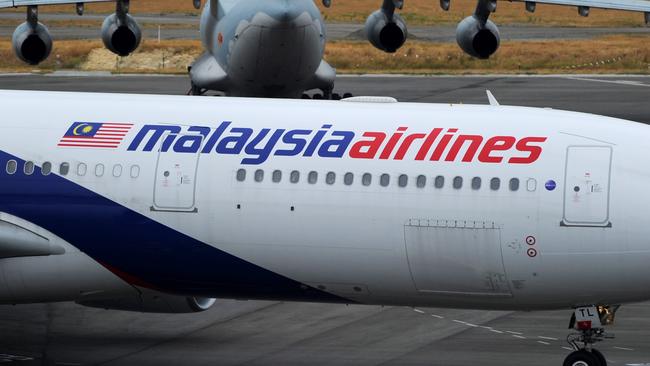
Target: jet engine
[[385, 33], [153, 302], [121, 33], [32, 42], [476, 38]]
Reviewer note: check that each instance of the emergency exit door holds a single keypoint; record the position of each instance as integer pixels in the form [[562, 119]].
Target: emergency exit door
[[587, 186], [175, 180]]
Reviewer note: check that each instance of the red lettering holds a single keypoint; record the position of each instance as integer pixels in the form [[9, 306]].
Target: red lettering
[[404, 148], [426, 145], [391, 143], [471, 150], [368, 149], [496, 143], [444, 141], [524, 146]]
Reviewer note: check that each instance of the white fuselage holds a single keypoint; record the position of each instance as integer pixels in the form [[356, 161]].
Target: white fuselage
[[304, 200]]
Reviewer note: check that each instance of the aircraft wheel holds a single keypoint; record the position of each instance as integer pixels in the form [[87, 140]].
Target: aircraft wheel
[[599, 356], [582, 358], [305, 96], [318, 96], [347, 95], [336, 96]]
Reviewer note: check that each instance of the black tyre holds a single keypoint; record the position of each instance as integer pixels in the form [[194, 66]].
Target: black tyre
[[600, 357], [347, 95], [336, 96], [305, 96], [581, 358]]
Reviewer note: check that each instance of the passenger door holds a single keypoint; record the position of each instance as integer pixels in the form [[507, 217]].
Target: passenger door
[[587, 186]]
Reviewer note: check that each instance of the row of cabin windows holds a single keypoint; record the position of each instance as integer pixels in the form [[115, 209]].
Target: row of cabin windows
[[384, 180], [64, 169]]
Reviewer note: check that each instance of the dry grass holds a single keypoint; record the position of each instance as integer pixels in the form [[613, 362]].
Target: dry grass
[[415, 12], [613, 54]]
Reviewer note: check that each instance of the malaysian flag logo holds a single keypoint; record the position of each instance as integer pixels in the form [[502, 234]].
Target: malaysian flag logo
[[100, 135]]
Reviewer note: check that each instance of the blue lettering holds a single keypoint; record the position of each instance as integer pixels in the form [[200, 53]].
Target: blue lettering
[[263, 152], [233, 145], [336, 148], [290, 139], [157, 132]]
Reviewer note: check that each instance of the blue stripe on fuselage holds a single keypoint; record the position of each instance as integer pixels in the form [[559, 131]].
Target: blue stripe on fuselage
[[135, 246]]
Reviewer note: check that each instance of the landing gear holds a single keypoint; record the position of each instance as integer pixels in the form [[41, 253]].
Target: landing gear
[[195, 90], [589, 322], [326, 96]]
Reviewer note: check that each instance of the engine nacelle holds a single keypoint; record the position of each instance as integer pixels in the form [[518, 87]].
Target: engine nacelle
[[152, 302], [32, 43], [386, 34], [478, 40], [121, 34]]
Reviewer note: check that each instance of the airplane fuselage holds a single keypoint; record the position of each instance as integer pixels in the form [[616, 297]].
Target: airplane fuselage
[[383, 203]]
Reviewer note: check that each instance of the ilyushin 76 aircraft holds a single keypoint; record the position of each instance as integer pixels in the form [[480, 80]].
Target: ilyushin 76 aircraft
[[168, 203], [274, 48]]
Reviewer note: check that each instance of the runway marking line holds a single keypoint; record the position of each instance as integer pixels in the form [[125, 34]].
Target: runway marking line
[[619, 82], [544, 343], [548, 338], [518, 336], [511, 332], [437, 316], [418, 311], [624, 348]]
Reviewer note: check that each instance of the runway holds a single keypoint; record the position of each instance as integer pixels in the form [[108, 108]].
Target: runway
[[273, 333]]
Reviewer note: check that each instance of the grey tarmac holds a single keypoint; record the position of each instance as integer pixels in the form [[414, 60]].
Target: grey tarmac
[[277, 333]]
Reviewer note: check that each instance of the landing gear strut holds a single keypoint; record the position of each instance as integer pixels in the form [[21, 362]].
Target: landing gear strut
[[589, 324]]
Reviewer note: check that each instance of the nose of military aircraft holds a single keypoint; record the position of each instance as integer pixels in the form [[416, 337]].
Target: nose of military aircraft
[[280, 47]]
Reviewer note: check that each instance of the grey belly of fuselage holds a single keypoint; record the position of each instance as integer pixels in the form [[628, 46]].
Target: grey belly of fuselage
[[271, 49]]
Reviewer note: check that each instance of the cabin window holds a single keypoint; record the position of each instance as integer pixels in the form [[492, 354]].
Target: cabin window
[[312, 178], [99, 170], [294, 177], [531, 185], [366, 179], [277, 176], [514, 184], [241, 175], [348, 179], [403, 180], [495, 184], [384, 180], [46, 169], [64, 168], [476, 183], [421, 181], [28, 169], [259, 175], [439, 182], [12, 166], [458, 183], [135, 171], [117, 170], [82, 169], [330, 178]]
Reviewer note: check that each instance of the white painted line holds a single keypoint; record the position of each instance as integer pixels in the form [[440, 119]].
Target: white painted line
[[488, 328], [544, 343], [496, 331], [548, 338], [518, 336], [511, 332], [418, 311], [568, 348], [459, 322], [471, 325], [437, 316], [619, 82], [624, 348]]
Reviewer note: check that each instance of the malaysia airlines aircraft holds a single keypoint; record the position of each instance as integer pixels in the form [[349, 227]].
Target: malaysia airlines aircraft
[[275, 48], [165, 203]]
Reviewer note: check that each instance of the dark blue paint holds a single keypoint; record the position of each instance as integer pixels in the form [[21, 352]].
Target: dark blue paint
[[550, 185], [138, 248]]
